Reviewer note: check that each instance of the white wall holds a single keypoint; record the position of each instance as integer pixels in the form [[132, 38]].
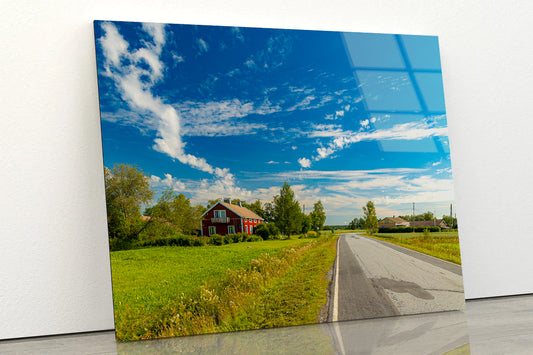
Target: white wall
[[54, 261]]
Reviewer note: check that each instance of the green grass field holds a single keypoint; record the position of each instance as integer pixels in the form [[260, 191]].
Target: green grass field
[[443, 245], [148, 284]]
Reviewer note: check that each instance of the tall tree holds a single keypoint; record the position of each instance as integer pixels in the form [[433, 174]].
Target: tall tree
[[287, 212], [257, 208], [371, 220], [127, 188], [177, 210], [268, 212], [318, 216]]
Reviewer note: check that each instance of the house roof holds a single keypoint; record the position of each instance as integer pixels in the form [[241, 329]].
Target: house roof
[[395, 219], [241, 211]]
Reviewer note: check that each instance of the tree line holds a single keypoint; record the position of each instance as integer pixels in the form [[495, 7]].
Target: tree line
[[370, 220], [128, 190]]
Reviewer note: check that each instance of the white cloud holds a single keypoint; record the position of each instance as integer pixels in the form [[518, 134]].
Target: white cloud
[[250, 63], [178, 58], [406, 131], [323, 130], [373, 120], [222, 118], [294, 147], [364, 123], [272, 162], [134, 81], [168, 182], [339, 114], [304, 162], [204, 47]]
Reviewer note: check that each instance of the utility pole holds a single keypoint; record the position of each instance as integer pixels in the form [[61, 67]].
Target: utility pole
[[413, 217], [451, 217]]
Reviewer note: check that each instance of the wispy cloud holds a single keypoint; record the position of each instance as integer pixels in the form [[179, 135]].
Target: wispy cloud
[[202, 45], [222, 118], [134, 72], [326, 130], [406, 131], [168, 182]]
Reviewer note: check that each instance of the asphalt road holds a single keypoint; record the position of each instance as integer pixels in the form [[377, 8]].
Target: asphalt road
[[377, 279]]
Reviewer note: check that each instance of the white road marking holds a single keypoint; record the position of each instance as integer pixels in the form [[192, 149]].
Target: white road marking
[[336, 288]]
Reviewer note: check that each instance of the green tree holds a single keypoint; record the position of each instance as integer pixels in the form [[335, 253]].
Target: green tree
[[268, 212], [357, 223], [287, 212], [307, 223], [177, 210], [450, 223], [213, 202], [371, 220], [318, 216], [257, 208], [127, 188]]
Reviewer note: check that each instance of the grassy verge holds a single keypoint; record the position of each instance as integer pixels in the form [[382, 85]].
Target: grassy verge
[[443, 245], [167, 291], [294, 299]]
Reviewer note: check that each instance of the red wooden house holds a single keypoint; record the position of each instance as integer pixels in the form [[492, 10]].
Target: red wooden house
[[224, 218]]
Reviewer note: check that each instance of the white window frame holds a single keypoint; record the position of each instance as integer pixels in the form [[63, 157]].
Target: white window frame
[[220, 214], [231, 229], [212, 229], [246, 229], [251, 229]]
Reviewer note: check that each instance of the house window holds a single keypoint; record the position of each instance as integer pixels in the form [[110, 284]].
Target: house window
[[231, 229], [246, 229], [251, 230], [220, 214], [212, 230]]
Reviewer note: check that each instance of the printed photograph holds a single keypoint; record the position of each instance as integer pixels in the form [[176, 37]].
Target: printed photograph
[[259, 178]]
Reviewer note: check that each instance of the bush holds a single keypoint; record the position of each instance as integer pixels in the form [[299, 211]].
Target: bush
[[274, 230], [158, 229], [262, 230], [217, 239], [408, 229], [255, 238], [267, 230], [312, 234], [243, 237]]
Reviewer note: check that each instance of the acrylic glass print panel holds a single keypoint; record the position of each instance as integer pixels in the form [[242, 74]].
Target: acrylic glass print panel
[[261, 178]]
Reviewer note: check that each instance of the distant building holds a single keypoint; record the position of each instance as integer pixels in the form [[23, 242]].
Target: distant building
[[224, 218], [391, 222]]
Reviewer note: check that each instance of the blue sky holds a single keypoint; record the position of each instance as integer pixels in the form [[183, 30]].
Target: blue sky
[[234, 112]]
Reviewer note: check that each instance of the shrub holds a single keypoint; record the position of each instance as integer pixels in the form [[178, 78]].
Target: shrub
[[198, 242], [255, 238], [217, 239], [267, 231], [242, 237], [274, 230], [262, 230], [408, 229], [312, 234], [158, 229]]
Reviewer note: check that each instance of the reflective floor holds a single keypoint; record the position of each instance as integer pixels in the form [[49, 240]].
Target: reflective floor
[[489, 326]]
